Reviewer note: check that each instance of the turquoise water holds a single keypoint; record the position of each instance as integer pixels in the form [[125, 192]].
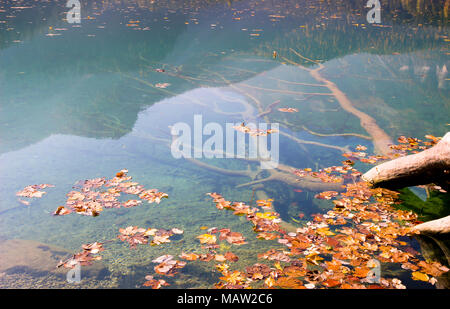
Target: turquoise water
[[77, 101]]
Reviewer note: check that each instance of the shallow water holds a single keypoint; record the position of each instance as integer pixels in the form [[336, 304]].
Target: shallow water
[[78, 101]]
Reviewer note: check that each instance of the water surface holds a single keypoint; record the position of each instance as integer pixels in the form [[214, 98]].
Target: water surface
[[78, 101]]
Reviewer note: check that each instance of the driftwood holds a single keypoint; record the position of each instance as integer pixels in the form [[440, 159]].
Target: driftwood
[[429, 166], [434, 227]]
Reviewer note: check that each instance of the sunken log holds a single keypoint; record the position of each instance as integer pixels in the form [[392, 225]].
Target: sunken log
[[429, 166]]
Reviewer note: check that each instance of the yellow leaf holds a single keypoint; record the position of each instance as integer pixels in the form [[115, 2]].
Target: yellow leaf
[[324, 232], [269, 282], [266, 215], [278, 266], [420, 276], [207, 239]]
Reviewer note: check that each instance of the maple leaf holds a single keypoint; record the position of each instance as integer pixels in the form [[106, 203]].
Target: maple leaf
[[61, 211], [288, 110], [207, 239], [189, 256], [419, 276], [154, 283]]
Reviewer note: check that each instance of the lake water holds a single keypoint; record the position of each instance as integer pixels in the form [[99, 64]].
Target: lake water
[[81, 101]]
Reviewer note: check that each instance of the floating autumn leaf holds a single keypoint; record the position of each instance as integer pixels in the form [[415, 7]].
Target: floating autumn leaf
[[269, 282], [232, 237], [133, 235], [267, 236], [242, 128], [177, 231], [32, 191], [163, 258], [233, 278], [265, 203], [61, 211], [189, 256], [207, 239], [274, 255], [324, 231], [93, 248], [348, 162], [434, 269], [162, 85], [168, 266], [294, 271], [326, 195], [219, 258], [253, 132], [92, 183], [288, 110], [361, 272], [288, 283], [157, 240], [402, 139], [230, 256], [267, 215], [206, 257], [131, 203], [153, 195], [361, 148], [154, 283], [419, 276], [258, 271], [84, 258]]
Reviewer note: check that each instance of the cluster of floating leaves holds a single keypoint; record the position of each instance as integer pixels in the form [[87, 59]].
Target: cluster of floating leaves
[[167, 266], [338, 249], [408, 145], [265, 223], [253, 132], [210, 239], [131, 234], [345, 172], [136, 236], [85, 257], [90, 202], [336, 174], [32, 191]]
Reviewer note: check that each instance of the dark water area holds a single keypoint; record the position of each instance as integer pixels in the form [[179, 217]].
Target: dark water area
[[85, 100]]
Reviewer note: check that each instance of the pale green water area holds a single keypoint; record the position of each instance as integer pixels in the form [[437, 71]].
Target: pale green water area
[[78, 101]]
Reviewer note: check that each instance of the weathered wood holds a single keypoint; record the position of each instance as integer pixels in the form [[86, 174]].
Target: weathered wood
[[439, 226], [429, 166]]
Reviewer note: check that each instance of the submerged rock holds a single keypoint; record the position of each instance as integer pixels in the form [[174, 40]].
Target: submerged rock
[[19, 256]]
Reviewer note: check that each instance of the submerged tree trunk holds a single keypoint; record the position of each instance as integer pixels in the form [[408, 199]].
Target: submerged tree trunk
[[429, 166]]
